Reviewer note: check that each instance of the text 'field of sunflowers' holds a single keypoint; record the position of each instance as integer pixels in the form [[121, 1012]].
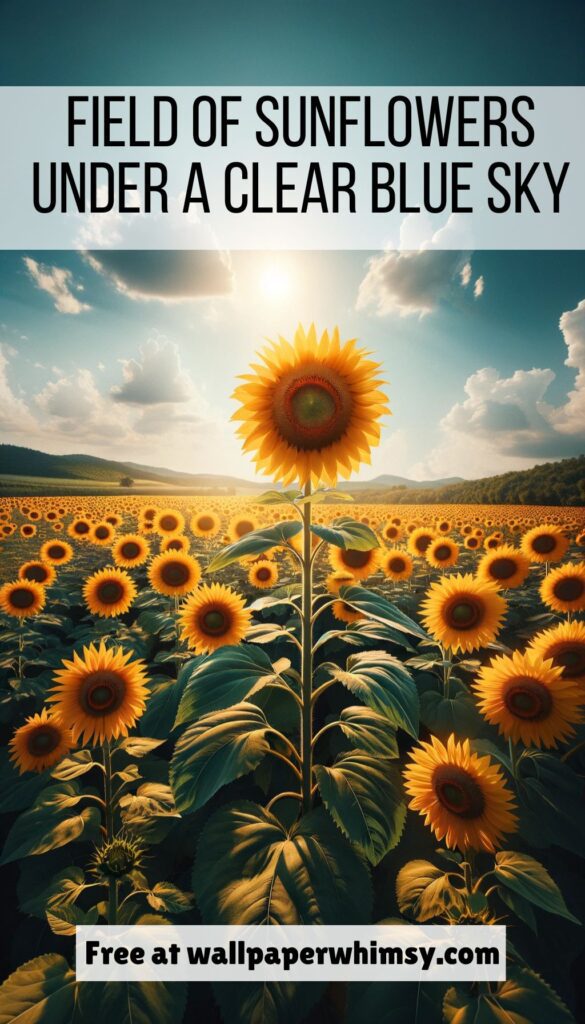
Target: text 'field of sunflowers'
[[293, 709]]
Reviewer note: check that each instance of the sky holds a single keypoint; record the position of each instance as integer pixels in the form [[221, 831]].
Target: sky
[[134, 355]]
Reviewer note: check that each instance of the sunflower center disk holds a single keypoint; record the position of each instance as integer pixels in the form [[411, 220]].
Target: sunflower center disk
[[528, 699], [312, 409], [215, 622], [503, 568], [81, 528], [544, 545], [168, 523], [571, 660], [102, 532], [569, 589], [43, 740], [396, 565], [110, 592], [174, 545], [56, 551], [36, 573], [458, 792], [464, 614], [442, 553], [22, 598], [243, 527], [263, 575], [355, 559], [205, 523], [130, 550], [102, 692], [422, 543], [175, 574]]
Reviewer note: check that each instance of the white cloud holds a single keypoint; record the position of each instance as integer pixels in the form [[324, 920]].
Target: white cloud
[[168, 276], [59, 284], [15, 418], [157, 376], [465, 274], [413, 282], [478, 288]]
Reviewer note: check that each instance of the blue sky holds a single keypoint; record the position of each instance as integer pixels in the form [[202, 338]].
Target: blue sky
[[134, 357]]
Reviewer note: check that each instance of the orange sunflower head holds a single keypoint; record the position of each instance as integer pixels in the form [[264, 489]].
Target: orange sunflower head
[[240, 525], [40, 743], [56, 552], [396, 564], [263, 574], [463, 797], [178, 542], [392, 532], [102, 534], [545, 543], [101, 695], [463, 613], [40, 572], [344, 612], [360, 564], [336, 580], [505, 566], [212, 617], [310, 410], [442, 553], [22, 598], [528, 699], [109, 592], [28, 530], [130, 550], [205, 524], [420, 539], [80, 528], [564, 645], [174, 573], [563, 589], [168, 522]]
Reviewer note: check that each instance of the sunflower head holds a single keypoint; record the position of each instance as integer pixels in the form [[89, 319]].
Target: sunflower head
[[109, 592], [563, 589], [442, 553], [40, 743], [169, 521], [463, 613], [205, 524], [28, 530], [564, 645], [336, 580], [117, 858], [505, 566], [99, 696], [212, 617], [240, 525], [528, 699], [360, 564], [263, 574], [344, 612], [545, 543], [463, 797], [130, 550], [310, 410], [22, 598], [40, 572], [56, 552], [102, 534], [80, 528], [396, 564], [174, 573], [420, 539], [178, 542], [392, 532]]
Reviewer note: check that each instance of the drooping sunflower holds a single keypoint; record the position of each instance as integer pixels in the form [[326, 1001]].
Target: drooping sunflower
[[102, 534], [420, 539], [263, 574], [56, 552], [396, 564], [528, 699], [563, 589], [463, 797], [40, 743], [168, 522], [564, 645], [40, 572], [101, 695], [79, 528], [174, 573], [505, 566], [205, 524], [310, 410], [463, 613], [360, 564], [212, 617], [442, 553], [240, 525], [130, 550], [22, 598], [545, 543], [109, 592]]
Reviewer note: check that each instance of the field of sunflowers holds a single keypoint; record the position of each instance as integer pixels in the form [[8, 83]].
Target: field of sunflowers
[[297, 709]]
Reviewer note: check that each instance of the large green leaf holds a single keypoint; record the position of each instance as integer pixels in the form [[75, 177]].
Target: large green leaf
[[374, 606], [551, 802], [424, 891], [133, 1002], [277, 497], [528, 878], [219, 748], [51, 823], [250, 869], [524, 998], [226, 677], [363, 794], [384, 684], [41, 991], [254, 543], [368, 730], [164, 699], [347, 533], [63, 889], [456, 714], [78, 763], [18, 791], [150, 811], [398, 1002]]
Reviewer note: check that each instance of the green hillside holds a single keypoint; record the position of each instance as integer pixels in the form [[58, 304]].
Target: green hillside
[[553, 483]]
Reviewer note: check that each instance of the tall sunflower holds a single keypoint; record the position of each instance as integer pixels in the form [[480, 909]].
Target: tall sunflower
[[101, 695], [505, 566], [463, 613], [310, 410], [528, 699], [563, 589], [22, 598], [463, 797], [212, 617], [174, 573], [109, 592], [40, 743], [564, 645]]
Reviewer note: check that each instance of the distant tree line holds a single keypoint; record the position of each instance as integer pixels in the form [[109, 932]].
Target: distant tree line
[[553, 483]]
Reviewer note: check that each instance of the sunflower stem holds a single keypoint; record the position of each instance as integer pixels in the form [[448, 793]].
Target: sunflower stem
[[512, 752], [109, 815], [307, 658]]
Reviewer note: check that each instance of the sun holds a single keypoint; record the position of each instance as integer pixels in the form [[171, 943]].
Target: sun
[[275, 282]]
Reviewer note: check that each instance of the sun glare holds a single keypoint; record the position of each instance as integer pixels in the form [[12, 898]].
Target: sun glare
[[275, 282]]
